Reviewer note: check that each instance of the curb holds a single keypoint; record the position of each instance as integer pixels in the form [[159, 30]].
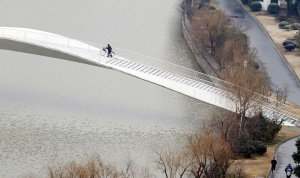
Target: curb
[[287, 63]]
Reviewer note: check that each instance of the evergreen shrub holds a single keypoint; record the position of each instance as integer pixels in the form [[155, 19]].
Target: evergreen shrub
[[246, 151], [297, 170], [255, 6], [290, 47], [273, 8], [244, 2], [259, 147], [287, 27], [296, 38], [296, 158], [251, 1], [295, 26], [282, 24], [287, 42], [297, 144]]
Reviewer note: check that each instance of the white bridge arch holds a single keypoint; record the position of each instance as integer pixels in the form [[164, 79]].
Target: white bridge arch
[[186, 81]]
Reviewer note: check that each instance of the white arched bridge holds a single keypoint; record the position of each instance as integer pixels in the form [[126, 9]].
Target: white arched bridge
[[189, 82]]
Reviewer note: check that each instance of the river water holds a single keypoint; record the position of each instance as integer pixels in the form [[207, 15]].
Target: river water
[[53, 110]]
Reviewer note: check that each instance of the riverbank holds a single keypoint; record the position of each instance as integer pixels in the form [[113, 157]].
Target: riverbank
[[259, 166]]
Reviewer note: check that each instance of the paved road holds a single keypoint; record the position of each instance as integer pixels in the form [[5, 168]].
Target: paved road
[[270, 58], [283, 157], [276, 69]]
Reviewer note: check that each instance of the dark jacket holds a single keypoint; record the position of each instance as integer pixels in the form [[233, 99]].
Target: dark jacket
[[289, 168], [109, 48]]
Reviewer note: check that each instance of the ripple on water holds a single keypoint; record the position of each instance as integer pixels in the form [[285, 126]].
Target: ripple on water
[[32, 142]]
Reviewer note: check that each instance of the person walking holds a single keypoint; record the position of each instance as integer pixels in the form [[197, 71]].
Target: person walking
[[273, 163], [109, 49], [288, 170]]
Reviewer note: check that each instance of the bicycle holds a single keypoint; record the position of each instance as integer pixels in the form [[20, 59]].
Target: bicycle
[[104, 52]]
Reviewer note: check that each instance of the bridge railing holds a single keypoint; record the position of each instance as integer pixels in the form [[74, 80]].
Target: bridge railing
[[47, 38], [224, 87]]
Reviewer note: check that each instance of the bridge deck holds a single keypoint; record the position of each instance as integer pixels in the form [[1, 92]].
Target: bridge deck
[[201, 90]]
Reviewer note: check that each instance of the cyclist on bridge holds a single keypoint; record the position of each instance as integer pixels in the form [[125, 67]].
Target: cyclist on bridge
[[109, 49]]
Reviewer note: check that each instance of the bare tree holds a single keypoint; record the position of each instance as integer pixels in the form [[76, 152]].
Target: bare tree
[[282, 93], [206, 155], [246, 83], [237, 169], [223, 123], [173, 164], [94, 167], [130, 170], [234, 50], [210, 154], [216, 36], [209, 30]]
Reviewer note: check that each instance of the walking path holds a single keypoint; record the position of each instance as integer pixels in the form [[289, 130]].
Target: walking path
[[283, 155]]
